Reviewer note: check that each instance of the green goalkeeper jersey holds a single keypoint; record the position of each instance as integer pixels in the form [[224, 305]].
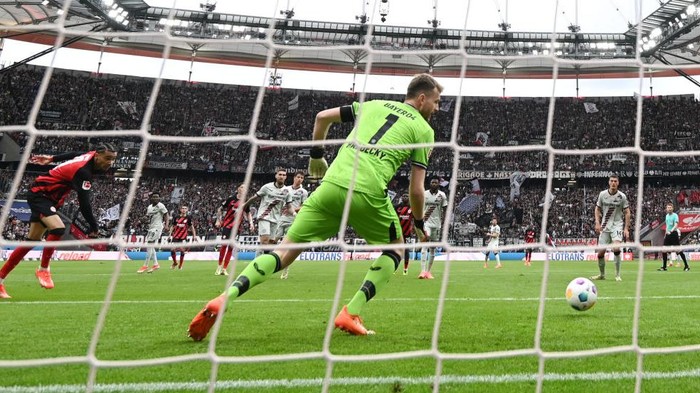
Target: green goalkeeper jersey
[[381, 124]]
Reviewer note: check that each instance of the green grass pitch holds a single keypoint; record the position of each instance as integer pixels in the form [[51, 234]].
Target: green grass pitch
[[486, 310]]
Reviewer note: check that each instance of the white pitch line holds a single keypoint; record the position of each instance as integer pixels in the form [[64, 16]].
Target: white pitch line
[[453, 299], [355, 381]]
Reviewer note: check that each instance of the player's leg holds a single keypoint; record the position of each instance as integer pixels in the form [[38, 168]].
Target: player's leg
[[603, 240], [183, 251], [36, 229], [173, 253], [673, 258], [375, 220], [676, 240], [55, 228], [497, 255], [486, 259], [282, 229], [223, 250], [313, 223], [406, 257], [616, 237], [664, 255]]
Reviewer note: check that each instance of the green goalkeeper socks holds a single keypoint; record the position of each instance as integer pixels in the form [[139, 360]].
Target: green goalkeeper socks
[[259, 270], [377, 277]]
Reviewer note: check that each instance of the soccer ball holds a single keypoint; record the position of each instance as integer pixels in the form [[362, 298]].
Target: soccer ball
[[581, 294]]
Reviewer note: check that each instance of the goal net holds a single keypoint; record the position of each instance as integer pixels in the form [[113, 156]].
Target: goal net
[[192, 133]]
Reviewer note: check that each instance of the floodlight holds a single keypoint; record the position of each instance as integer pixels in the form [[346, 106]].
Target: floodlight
[[691, 9], [655, 33]]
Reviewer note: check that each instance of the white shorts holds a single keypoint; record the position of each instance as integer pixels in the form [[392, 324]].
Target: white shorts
[[493, 246], [433, 233], [267, 228], [282, 228], [608, 237], [153, 235]]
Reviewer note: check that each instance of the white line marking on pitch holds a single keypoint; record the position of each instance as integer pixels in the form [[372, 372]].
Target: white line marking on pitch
[[449, 299], [316, 382]]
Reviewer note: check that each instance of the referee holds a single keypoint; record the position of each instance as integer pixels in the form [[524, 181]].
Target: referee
[[672, 237]]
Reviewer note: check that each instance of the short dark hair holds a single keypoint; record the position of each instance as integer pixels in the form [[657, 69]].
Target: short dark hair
[[300, 173], [615, 176], [155, 193], [422, 83], [103, 147]]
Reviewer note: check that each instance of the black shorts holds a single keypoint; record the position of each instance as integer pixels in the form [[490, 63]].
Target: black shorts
[[177, 240], [40, 207], [226, 233], [672, 239]]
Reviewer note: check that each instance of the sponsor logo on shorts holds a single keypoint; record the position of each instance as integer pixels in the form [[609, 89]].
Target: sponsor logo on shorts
[[86, 185]]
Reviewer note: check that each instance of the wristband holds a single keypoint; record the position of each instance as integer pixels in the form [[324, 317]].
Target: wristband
[[316, 152], [418, 224]]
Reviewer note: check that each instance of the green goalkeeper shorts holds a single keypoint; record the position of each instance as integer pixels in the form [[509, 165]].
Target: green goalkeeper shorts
[[372, 217]]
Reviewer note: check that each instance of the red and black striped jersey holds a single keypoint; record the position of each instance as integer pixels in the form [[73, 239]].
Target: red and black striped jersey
[[74, 174], [406, 219], [181, 227], [230, 206], [530, 236]]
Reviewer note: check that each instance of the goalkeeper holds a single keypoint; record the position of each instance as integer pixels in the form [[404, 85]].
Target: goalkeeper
[[365, 167]]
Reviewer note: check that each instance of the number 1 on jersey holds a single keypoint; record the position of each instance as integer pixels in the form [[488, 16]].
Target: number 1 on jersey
[[390, 121]]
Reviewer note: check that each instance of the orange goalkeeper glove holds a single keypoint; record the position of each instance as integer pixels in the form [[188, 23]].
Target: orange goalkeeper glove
[[317, 164]]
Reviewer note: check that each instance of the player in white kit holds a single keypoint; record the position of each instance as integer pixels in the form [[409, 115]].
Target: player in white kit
[[612, 222], [299, 195], [274, 200], [433, 216], [158, 218], [494, 235]]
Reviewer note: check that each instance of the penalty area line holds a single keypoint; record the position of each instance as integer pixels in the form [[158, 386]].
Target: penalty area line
[[350, 381]]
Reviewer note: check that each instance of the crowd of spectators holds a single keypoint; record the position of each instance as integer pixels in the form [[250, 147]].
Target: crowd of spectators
[[80, 101]]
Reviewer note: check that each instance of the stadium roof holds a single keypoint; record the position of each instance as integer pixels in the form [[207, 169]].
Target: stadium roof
[[670, 36]]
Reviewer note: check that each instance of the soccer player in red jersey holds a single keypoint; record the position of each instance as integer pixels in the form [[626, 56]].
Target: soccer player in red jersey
[[529, 238], [46, 196], [228, 222], [182, 224], [403, 209]]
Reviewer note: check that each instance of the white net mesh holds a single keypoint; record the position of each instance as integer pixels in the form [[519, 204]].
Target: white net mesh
[[336, 356]]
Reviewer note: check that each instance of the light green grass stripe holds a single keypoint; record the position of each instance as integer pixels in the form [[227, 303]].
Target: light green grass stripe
[[316, 382], [406, 299]]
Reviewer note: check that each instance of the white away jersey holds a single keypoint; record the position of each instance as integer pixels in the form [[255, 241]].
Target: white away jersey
[[434, 208], [155, 214], [271, 202], [497, 230], [299, 196], [612, 208]]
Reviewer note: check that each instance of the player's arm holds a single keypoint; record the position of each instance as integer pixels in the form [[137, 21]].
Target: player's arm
[[43, 159], [628, 218], [83, 186], [193, 230], [598, 215], [250, 201], [416, 197], [219, 211], [324, 119], [166, 219]]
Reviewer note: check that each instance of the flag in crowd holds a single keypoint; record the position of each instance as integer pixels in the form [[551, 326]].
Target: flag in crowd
[[129, 107], [469, 203], [293, 104], [111, 214], [590, 107]]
